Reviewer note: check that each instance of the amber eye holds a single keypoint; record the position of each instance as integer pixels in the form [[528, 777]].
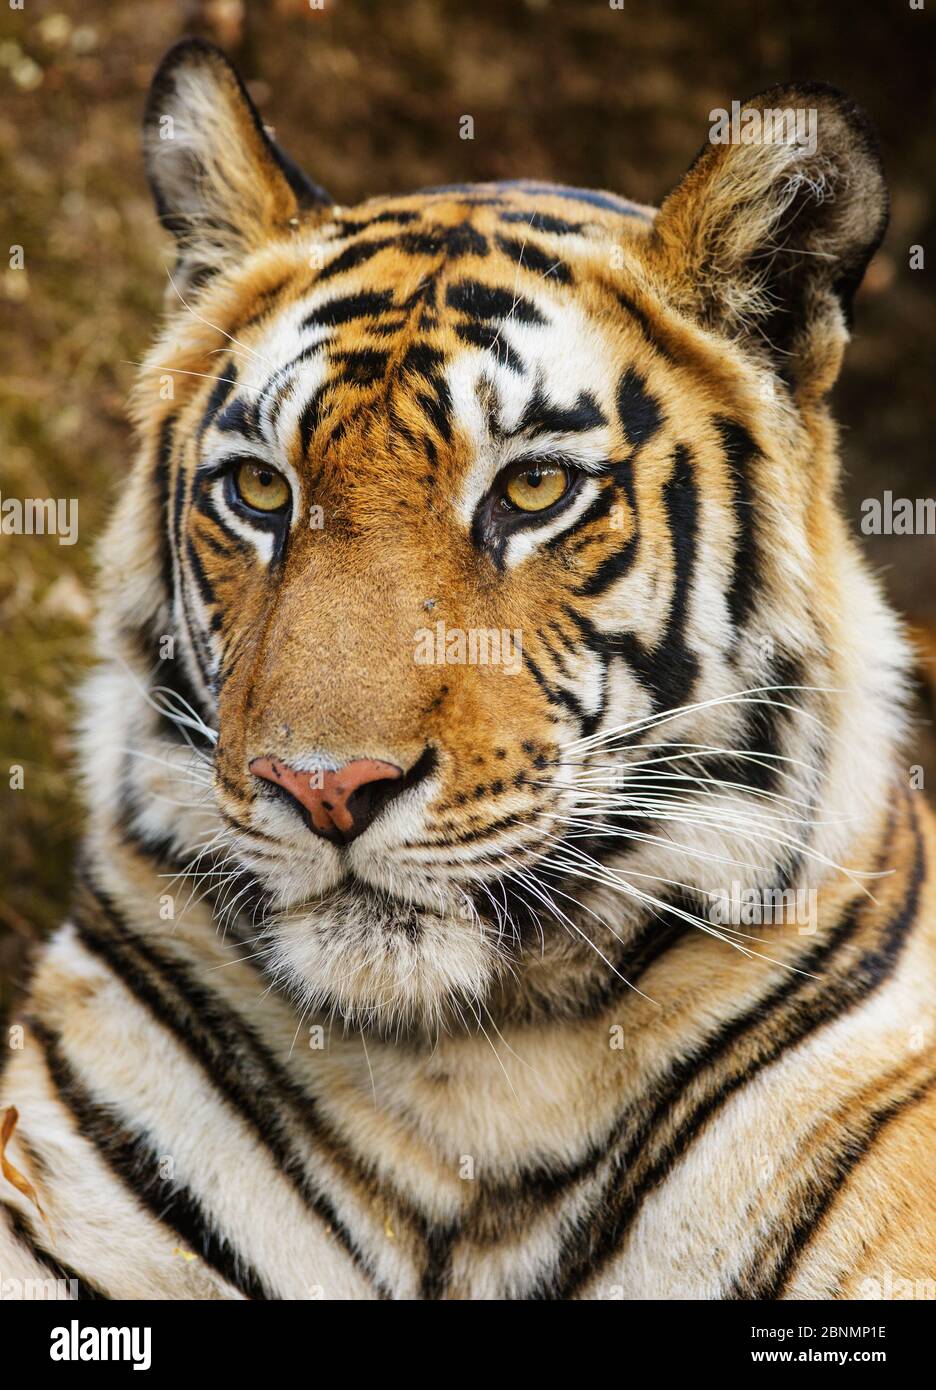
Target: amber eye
[[261, 487], [538, 487]]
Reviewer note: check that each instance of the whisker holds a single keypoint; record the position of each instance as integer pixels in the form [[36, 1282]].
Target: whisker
[[215, 327], [745, 697]]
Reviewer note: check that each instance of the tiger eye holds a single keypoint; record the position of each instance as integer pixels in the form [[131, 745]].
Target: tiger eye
[[261, 487], [537, 488]]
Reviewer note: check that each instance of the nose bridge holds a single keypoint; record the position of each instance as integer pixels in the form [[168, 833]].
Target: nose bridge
[[337, 672]]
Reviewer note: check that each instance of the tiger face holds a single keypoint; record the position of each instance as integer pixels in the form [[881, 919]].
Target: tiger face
[[457, 499]]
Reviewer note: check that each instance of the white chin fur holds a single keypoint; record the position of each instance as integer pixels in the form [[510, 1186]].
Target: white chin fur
[[382, 963]]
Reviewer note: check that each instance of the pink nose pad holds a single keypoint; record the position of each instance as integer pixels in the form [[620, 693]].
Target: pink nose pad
[[340, 805]]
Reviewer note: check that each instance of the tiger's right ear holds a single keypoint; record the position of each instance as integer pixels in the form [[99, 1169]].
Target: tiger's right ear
[[220, 183]]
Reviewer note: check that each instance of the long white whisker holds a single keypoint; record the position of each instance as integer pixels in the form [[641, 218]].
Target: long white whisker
[[215, 328], [744, 697]]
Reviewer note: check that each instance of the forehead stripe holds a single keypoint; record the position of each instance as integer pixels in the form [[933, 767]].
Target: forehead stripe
[[347, 308], [543, 222], [485, 302], [455, 242], [542, 417], [535, 259], [485, 336], [639, 412]]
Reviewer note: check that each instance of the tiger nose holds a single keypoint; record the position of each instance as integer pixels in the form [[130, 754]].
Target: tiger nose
[[337, 805]]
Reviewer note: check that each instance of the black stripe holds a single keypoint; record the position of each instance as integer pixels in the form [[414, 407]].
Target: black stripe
[[436, 405], [354, 256], [740, 452], [309, 420], [177, 516], [649, 331], [219, 394], [265, 303], [200, 650], [486, 302], [561, 698], [533, 258], [613, 566], [178, 509], [422, 359], [453, 242], [203, 502], [162, 471], [566, 639], [543, 222], [855, 1146], [543, 416], [366, 304], [348, 227], [556, 657], [156, 848], [134, 1161], [279, 380], [597, 510], [669, 670], [230, 1053], [85, 1289], [639, 412], [623, 1198], [437, 1272], [171, 674], [471, 837], [675, 671], [240, 417], [608, 201], [486, 337], [360, 366], [764, 724], [202, 582]]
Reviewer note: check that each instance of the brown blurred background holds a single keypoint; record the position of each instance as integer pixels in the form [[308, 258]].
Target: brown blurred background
[[367, 94]]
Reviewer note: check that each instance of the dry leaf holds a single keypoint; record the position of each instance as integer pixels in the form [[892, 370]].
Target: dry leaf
[[8, 1119]]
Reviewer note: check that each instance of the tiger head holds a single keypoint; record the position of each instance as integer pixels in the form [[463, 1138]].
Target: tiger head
[[483, 544]]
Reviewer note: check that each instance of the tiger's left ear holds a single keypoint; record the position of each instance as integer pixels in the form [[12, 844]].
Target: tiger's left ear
[[220, 183], [767, 239]]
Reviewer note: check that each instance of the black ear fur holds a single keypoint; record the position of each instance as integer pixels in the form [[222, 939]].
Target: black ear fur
[[308, 194]]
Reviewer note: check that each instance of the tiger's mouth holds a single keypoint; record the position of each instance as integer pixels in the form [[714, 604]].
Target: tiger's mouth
[[386, 912], [383, 961], [498, 907]]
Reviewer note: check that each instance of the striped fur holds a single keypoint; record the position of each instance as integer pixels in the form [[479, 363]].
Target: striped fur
[[498, 1046]]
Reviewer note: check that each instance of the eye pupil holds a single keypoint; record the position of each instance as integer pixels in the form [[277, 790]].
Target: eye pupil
[[534, 477]]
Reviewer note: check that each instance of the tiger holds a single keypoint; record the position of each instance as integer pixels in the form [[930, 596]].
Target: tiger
[[502, 877]]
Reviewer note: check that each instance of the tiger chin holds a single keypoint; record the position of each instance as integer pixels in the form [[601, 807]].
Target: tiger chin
[[476, 619]]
